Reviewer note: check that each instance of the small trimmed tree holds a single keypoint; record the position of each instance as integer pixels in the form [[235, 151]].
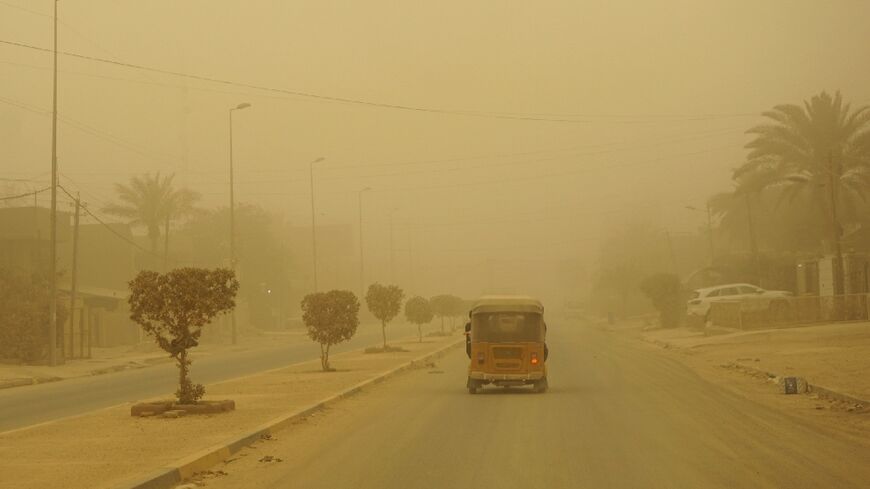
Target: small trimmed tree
[[666, 293], [384, 302], [418, 311], [441, 307], [331, 318], [173, 308]]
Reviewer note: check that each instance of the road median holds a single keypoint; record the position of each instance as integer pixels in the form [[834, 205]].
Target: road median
[[106, 448]]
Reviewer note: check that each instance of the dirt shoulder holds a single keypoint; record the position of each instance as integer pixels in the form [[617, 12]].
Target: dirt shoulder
[[115, 359], [106, 447], [832, 356]]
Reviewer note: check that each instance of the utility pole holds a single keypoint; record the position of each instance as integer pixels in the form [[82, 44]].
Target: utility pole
[[74, 286], [392, 251], [233, 218], [313, 221], [413, 278], [362, 278], [52, 267], [709, 230], [833, 180]]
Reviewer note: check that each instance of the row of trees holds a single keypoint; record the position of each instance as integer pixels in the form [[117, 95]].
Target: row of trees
[[802, 190], [333, 317]]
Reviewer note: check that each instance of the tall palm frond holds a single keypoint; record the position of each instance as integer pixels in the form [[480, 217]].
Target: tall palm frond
[[802, 148], [151, 201]]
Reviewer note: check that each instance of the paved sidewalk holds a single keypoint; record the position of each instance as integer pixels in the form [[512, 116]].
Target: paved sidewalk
[[102, 448]]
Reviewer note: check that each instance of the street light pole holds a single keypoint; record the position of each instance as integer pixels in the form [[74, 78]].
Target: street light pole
[[392, 250], [313, 222], [362, 280], [52, 268], [233, 217]]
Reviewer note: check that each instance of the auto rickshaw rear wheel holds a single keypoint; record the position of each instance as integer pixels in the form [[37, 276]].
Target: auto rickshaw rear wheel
[[541, 386]]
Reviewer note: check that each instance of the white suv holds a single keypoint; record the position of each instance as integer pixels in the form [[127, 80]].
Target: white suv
[[754, 297]]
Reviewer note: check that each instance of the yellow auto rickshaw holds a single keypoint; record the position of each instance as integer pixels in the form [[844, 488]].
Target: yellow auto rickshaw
[[505, 339]]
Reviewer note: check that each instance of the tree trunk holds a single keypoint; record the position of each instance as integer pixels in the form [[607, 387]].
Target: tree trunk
[[183, 381], [420, 332], [442, 324], [384, 333], [324, 357]]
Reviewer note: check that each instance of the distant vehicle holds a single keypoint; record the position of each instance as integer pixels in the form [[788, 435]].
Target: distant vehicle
[[755, 297], [506, 343]]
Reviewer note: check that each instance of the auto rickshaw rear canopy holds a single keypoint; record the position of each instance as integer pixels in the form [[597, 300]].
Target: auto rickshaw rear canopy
[[507, 303]]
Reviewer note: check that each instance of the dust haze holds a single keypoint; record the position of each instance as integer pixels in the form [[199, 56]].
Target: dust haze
[[597, 156]]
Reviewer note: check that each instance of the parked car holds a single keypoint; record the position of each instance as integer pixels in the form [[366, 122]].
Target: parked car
[[754, 298]]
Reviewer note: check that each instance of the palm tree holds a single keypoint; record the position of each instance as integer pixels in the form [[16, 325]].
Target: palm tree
[[152, 201], [819, 153]]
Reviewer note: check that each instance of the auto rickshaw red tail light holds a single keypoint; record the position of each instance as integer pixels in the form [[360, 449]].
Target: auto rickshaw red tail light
[[480, 357], [534, 358]]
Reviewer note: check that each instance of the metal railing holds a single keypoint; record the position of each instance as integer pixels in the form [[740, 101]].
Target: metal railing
[[761, 313]]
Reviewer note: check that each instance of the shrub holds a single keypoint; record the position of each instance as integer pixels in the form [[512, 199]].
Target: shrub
[[666, 293], [173, 308], [384, 302], [24, 316], [331, 317], [418, 311]]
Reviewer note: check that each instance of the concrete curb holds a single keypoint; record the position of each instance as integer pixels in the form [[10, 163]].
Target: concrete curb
[[166, 477], [23, 381], [837, 396], [810, 388]]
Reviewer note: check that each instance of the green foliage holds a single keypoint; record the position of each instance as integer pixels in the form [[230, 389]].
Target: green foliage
[[149, 201], [419, 311], [666, 293], [331, 318], [789, 167], [384, 302], [24, 316], [175, 306], [447, 305], [441, 307]]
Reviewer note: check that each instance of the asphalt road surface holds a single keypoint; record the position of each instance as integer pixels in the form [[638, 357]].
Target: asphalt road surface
[[615, 417], [25, 406]]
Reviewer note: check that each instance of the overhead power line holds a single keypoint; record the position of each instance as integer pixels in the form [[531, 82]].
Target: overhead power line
[[571, 119], [111, 229], [28, 194]]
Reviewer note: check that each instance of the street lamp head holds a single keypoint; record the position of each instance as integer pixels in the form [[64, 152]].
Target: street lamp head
[[366, 189], [318, 159], [243, 105]]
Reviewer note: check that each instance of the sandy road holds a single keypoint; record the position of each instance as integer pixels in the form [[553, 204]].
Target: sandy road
[[616, 417]]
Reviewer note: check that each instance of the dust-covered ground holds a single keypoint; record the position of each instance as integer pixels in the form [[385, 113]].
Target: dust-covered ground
[[619, 414], [834, 356]]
